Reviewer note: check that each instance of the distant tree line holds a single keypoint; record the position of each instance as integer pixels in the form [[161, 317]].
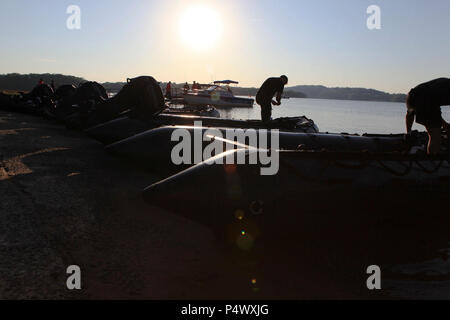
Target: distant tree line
[[238, 91], [113, 86], [26, 82], [252, 92], [322, 92], [314, 92]]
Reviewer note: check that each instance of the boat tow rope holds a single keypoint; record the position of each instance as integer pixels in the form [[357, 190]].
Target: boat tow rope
[[436, 168], [396, 173], [364, 158], [300, 174], [364, 163], [367, 158]]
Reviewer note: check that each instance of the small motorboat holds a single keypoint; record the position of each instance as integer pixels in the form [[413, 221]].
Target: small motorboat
[[218, 94]]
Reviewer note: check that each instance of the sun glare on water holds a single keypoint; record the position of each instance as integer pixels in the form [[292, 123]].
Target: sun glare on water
[[200, 27]]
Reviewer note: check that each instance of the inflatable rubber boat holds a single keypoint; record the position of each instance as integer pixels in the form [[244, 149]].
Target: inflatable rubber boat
[[125, 127], [312, 192], [154, 149]]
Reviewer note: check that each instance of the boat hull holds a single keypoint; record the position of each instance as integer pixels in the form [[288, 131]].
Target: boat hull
[[126, 127], [312, 194], [153, 149], [221, 102]]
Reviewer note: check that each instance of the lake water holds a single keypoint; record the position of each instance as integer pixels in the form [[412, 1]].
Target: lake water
[[339, 115]]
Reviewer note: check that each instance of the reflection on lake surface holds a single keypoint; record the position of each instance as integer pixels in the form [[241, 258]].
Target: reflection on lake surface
[[338, 115]]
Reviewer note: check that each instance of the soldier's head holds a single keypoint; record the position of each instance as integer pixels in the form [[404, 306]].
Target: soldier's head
[[284, 79]]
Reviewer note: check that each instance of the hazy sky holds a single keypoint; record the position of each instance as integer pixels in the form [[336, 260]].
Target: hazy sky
[[312, 41]]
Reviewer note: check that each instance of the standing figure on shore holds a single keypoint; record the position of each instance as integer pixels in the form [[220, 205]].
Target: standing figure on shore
[[186, 88], [264, 97], [41, 81], [424, 104], [169, 90]]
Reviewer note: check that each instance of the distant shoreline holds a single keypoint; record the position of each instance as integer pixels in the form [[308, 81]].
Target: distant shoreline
[[26, 82], [355, 100]]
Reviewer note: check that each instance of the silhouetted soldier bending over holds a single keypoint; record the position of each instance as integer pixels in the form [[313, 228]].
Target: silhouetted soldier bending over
[[424, 103], [269, 88]]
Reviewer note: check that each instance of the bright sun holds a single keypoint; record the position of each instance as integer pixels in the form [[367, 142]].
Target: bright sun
[[200, 27]]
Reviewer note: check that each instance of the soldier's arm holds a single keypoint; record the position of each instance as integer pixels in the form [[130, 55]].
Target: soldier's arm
[[279, 97], [445, 125], [409, 121]]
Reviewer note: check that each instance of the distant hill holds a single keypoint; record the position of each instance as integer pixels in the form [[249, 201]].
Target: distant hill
[[113, 86], [238, 91], [26, 82], [322, 92], [314, 92]]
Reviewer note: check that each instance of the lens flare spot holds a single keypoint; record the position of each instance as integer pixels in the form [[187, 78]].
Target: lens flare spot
[[230, 168], [215, 96], [239, 214], [73, 174], [245, 241]]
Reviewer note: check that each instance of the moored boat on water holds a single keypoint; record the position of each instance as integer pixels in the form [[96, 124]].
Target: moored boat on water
[[218, 95]]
